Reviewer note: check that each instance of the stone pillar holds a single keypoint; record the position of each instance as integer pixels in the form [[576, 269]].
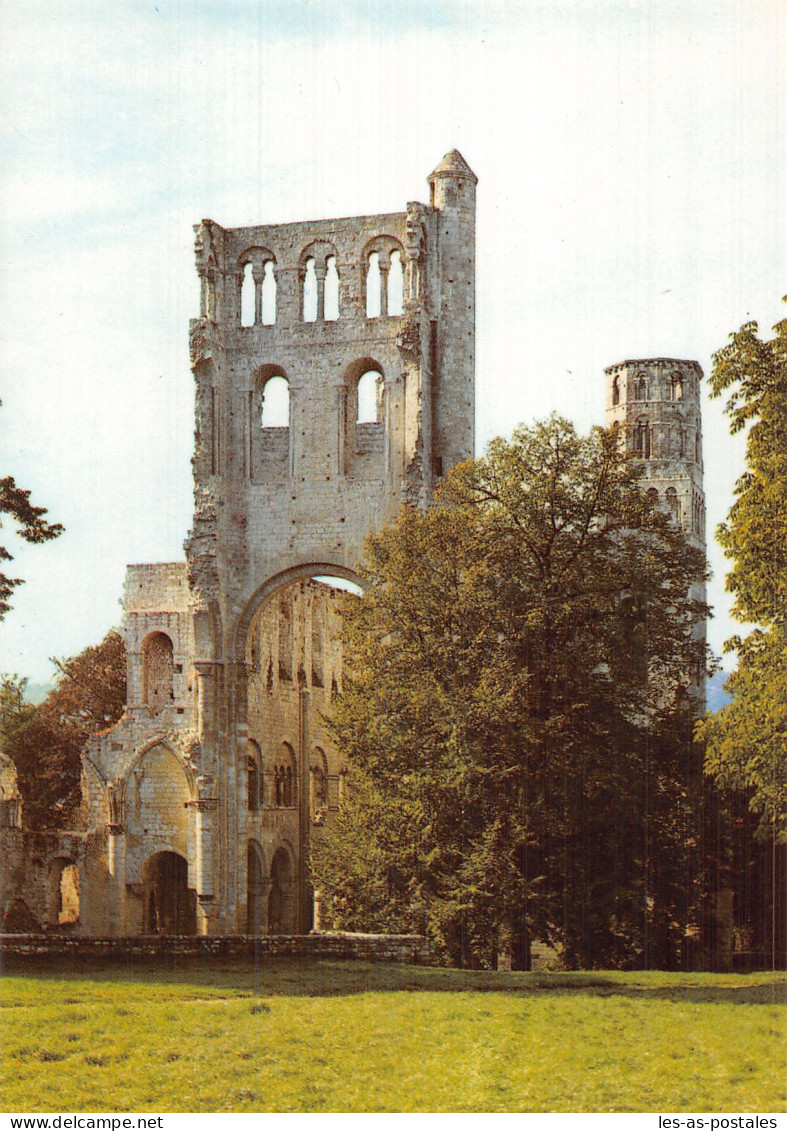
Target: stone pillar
[[318, 911], [385, 267], [205, 806], [257, 274], [320, 272]]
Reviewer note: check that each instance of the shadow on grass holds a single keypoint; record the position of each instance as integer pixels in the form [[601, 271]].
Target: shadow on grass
[[190, 978]]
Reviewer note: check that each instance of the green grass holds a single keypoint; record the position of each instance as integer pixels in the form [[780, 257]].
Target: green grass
[[355, 1037]]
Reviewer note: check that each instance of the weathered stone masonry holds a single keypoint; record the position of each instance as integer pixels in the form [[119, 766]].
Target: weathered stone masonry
[[334, 372], [334, 380]]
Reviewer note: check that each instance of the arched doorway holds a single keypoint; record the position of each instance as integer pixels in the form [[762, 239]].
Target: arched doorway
[[169, 905], [281, 901], [65, 892], [254, 888]]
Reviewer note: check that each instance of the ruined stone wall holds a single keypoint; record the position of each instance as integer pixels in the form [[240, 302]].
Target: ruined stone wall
[[334, 381], [281, 498], [408, 949], [32, 892]]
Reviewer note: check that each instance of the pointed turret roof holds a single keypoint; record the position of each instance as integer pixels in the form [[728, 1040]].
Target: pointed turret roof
[[453, 165]]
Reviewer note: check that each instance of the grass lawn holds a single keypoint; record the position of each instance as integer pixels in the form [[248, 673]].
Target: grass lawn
[[355, 1037]]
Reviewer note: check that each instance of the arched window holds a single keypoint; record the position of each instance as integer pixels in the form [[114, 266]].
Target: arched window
[[286, 787], [653, 497], [318, 784], [247, 297], [396, 285], [268, 294], [310, 292], [253, 778], [289, 787], [676, 387], [640, 387], [368, 397], [673, 503], [254, 888], [373, 286], [697, 446], [331, 289], [616, 390], [276, 403], [157, 672], [68, 895], [642, 438]]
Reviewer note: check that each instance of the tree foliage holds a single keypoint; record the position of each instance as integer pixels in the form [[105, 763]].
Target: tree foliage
[[32, 526], [747, 740], [45, 741], [754, 375], [517, 666]]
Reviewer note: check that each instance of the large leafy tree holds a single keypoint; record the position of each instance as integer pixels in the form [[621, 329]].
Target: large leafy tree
[[517, 670], [747, 740], [45, 741]]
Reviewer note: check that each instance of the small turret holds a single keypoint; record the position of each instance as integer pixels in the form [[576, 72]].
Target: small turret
[[453, 183]]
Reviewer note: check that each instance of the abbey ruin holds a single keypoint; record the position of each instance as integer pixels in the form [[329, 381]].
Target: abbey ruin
[[334, 370]]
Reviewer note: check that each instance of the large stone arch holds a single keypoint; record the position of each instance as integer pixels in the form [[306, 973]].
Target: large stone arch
[[169, 905], [280, 581], [156, 790], [282, 894]]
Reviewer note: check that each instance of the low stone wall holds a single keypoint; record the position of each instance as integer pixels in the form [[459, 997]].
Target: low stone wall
[[409, 949]]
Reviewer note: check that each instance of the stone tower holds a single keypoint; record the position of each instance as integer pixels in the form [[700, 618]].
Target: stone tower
[[657, 403], [334, 369]]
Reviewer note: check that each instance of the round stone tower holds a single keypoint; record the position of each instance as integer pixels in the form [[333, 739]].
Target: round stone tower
[[656, 401]]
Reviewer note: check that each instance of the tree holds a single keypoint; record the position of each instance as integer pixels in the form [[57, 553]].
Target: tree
[[746, 741], [519, 654], [45, 741], [32, 525]]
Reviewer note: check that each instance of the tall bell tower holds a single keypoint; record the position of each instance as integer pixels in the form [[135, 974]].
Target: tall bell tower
[[656, 401]]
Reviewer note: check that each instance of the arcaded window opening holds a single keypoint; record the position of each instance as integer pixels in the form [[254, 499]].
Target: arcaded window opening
[[673, 503], [318, 785], [368, 410], [396, 285], [373, 286], [676, 387], [616, 391], [275, 403], [640, 388], [331, 289], [285, 780], [248, 297], [157, 672], [642, 439], [310, 292], [253, 778], [268, 301]]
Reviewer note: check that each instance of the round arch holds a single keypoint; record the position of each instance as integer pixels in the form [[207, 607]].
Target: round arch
[[280, 581]]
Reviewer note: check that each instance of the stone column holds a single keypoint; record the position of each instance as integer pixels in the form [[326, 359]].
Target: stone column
[[257, 274], [320, 272], [385, 267], [205, 806]]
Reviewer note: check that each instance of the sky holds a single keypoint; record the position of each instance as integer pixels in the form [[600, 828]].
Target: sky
[[631, 156]]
